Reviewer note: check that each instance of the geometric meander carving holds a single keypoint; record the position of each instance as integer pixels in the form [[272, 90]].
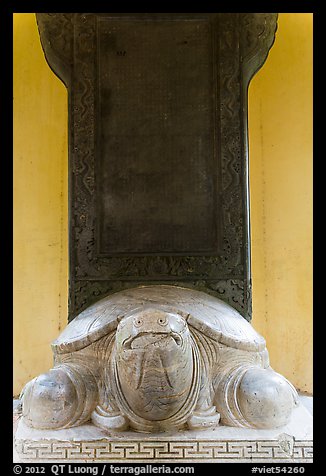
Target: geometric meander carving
[[133, 451], [159, 358]]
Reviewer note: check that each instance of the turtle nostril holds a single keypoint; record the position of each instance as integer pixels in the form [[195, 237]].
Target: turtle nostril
[[138, 322], [162, 321]]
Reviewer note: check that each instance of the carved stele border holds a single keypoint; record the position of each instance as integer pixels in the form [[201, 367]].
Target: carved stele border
[[242, 42], [165, 451]]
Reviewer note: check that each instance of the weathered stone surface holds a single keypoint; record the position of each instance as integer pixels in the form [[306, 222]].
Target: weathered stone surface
[[87, 443], [155, 359]]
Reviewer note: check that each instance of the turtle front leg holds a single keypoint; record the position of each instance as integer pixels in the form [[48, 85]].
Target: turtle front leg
[[255, 397], [107, 414], [205, 416], [61, 398], [109, 419], [203, 419]]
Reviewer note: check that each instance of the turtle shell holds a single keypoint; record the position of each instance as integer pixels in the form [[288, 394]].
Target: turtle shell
[[208, 314]]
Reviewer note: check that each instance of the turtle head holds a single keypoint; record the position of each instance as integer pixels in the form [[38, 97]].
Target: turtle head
[[154, 363], [151, 328]]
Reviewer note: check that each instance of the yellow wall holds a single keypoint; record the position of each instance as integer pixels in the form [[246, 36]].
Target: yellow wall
[[280, 174], [280, 119], [40, 204]]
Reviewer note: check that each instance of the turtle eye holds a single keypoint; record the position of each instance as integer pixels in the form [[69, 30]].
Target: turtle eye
[[162, 321], [138, 322]]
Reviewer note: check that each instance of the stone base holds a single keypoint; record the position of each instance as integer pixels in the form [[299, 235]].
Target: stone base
[[224, 444]]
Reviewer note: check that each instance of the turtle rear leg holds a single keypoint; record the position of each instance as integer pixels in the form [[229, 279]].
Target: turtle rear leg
[[61, 398], [255, 397]]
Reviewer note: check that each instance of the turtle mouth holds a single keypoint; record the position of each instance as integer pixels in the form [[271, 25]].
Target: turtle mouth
[[145, 340]]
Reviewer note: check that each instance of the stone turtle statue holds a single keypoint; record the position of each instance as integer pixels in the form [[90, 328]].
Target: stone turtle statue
[[159, 358]]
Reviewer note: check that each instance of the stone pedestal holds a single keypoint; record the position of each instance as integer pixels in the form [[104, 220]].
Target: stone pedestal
[[87, 443]]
